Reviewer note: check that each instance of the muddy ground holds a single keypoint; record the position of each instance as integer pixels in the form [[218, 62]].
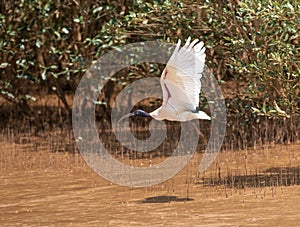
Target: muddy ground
[[42, 184]]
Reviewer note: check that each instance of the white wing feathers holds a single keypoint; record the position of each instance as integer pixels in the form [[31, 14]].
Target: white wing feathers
[[180, 80]]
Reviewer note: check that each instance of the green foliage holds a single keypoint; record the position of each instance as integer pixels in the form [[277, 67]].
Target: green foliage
[[258, 42], [45, 44], [48, 44]]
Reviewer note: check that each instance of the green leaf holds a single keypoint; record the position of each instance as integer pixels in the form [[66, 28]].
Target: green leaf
[[3, 65], [132, 14], [76, 20], [255, 110], [264, 108], [38, 43], [278, 109], [65, 30], [30, 97], [43, 75], [57, 34], [98, 9]]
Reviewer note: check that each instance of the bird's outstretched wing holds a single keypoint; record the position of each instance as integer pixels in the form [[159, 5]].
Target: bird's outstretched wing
[[180, 79]]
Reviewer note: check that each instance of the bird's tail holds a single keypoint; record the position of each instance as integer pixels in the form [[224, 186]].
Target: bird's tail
[[203, 116]]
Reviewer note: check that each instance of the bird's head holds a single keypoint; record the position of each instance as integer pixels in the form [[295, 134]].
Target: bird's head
[[140, 113]]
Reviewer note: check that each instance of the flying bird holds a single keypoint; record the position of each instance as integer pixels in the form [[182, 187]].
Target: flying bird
[[181, 85]]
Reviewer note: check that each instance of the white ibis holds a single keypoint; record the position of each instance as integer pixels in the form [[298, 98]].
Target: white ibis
[[180, 83]]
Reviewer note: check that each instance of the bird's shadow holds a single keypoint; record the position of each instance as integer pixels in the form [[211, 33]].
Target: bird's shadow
[[164, 199]]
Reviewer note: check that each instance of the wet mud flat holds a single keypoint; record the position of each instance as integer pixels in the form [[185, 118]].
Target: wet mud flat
[[241, 188]]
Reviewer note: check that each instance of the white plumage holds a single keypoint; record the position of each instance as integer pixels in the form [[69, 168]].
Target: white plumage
[[180, 82]]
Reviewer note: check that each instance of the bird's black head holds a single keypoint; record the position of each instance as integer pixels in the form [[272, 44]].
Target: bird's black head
[[141, 113]]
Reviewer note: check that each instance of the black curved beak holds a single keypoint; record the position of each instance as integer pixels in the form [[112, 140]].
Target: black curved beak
[[126, 116]]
